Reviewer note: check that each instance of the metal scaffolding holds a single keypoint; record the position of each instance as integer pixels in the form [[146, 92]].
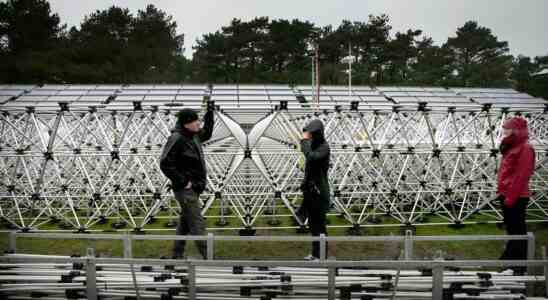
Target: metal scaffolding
[[82, 154], [90, 277]]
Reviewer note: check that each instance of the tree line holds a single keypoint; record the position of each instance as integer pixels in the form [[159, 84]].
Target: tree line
[[116, 46]]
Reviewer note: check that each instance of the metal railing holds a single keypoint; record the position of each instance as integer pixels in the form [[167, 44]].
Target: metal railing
[[437, 266], [408, 240]]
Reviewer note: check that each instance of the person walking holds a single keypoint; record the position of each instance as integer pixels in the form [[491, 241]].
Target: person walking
[[315, 185], [516, 168], [182, 161]]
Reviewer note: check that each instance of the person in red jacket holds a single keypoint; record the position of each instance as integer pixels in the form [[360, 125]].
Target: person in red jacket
[[516, 168]]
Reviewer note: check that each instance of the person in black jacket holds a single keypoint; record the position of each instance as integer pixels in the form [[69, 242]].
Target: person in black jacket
[[182, 161], [315, 185]]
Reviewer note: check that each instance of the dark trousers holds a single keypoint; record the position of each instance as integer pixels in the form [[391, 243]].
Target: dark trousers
[[191, 221], [514, 221], [316, 222]]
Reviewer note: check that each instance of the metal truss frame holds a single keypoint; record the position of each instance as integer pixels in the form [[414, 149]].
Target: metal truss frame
[[82, 154]]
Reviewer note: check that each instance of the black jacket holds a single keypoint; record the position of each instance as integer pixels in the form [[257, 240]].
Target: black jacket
[[182, 159], [316, 152]]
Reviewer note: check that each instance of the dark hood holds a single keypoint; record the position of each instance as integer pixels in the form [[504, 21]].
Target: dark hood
[[316, 129]]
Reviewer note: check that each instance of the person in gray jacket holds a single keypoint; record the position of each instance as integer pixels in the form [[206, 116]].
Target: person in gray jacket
[[182, 161], [315, 186]]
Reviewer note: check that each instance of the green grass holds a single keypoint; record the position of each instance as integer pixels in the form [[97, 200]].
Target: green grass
[[292, 250]]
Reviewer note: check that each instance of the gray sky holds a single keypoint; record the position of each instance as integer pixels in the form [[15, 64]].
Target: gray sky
[[523, 23]]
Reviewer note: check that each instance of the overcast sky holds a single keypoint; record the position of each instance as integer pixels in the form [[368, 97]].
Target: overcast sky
[[523, 23]]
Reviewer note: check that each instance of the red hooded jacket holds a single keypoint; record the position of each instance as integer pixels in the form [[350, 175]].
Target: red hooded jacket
[[518, 162]]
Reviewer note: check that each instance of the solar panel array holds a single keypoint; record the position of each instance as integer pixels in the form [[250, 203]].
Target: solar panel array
[[248, 103], [423, 150]]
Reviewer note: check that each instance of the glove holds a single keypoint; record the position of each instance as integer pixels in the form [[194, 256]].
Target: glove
[[210, 106]]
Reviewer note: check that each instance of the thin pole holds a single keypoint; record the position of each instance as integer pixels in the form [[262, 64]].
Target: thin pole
[[312, 59], [349, 70], [317, 76]]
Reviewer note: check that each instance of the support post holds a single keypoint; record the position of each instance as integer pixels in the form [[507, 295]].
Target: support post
[[530, 246], [210, 246], [437, 282], [530, 251], [437, 277], [191, 281], [408, 245], [128, 250], [545, 271], [13, 242], [323, 247], [331, 283], [91, 279]]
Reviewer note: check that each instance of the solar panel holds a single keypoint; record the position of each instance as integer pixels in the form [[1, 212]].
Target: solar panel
[[502, 98], [256, 98]]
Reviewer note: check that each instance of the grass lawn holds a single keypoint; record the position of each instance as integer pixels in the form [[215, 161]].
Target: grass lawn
[[292, 250]]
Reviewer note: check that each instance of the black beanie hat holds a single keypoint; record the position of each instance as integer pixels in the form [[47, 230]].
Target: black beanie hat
[[187, 115]]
